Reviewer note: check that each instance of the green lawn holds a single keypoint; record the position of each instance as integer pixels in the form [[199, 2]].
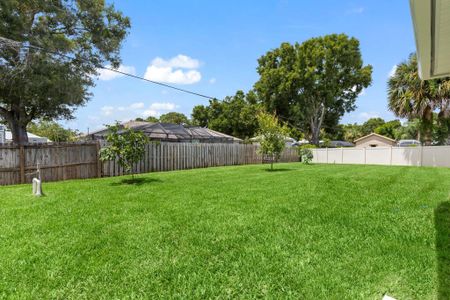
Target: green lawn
[[312, 232]]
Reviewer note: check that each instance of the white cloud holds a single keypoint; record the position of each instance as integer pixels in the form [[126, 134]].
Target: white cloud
[[392, 71], [356, 10], [110, 110], [168, 75], [137, 109], [179, 61], [109, 75], [180, 69], [150, 113], [212, 80], [107, 110], [163, 106], [364, 116], [137, 105]]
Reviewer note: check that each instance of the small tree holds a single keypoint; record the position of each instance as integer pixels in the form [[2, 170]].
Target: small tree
[[272, 136], [305, 153], [125, 145]]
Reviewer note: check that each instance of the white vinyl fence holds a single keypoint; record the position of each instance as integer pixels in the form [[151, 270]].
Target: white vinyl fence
[[434, 156]]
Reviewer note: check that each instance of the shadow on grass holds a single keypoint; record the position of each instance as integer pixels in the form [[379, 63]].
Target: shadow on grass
[[136, 181], [442, 225], [278, 170]]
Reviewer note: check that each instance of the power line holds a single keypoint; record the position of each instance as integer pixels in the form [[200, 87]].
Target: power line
[[7, 41]]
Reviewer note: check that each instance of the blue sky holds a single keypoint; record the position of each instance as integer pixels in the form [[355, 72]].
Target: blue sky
[[212, 47]]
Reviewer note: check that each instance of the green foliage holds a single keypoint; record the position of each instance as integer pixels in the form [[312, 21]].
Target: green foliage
[[409, 131], [172, 117], [201, 115], [370, 125], [389, 129], [235, 115], [305, 153], [53, 131], [36, 84], [313, 84], [352, 132], [271, 136], [124, 145], [441, 129], [150, 119], [410, 97]]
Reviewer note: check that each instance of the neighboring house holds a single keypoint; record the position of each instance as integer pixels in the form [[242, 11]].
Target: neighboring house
[[339, 144], [2, 134], [374, 140], [6, 137], [167, 132], [32, 139]]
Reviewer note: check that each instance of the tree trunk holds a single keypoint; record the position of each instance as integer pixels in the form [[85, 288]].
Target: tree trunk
[[19, 132], [316, 124], [17, 126], [427, 126]]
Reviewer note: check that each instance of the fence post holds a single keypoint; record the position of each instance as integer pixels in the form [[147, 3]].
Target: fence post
[[390, 157], [421, 155], [342, 155], [327, 153], [365, 155], [97, 157], [22, 163]]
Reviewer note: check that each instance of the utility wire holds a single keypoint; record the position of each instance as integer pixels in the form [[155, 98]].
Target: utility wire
[[7, 41]]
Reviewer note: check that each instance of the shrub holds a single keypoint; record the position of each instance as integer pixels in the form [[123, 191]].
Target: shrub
[[305, 153]]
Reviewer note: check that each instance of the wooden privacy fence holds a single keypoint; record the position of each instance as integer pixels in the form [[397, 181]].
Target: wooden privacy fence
[[56, 162], [433, 156], [181, 156], [80, 160]]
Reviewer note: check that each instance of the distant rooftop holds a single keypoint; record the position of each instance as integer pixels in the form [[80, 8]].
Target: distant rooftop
[[170, 132]]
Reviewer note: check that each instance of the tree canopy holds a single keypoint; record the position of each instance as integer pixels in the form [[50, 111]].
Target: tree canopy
[[125, 145], [370, 125], [173, 117], [78, 36], [235, 115], [53, 131], [313, 84], [271, 136]]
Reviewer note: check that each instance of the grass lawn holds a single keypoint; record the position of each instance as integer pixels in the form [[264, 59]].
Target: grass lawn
[[312, 232]]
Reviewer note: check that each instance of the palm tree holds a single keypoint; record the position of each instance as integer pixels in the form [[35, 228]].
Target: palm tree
[[410, 97]]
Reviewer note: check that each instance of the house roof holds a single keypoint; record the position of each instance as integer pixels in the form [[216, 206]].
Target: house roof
[[173, 132], [431, 20], [8, 136], [127, 124], [374, 134]]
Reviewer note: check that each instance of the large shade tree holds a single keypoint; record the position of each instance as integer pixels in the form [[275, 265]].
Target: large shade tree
[[410, 97], [235, 115], [314, 83], [78, 36]]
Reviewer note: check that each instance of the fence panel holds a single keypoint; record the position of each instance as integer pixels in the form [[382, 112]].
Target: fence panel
[[436, 156], [80, 160], [55, 161], [180, 156]]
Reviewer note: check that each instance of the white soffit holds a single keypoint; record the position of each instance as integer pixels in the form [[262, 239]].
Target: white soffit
[[431, 19]]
